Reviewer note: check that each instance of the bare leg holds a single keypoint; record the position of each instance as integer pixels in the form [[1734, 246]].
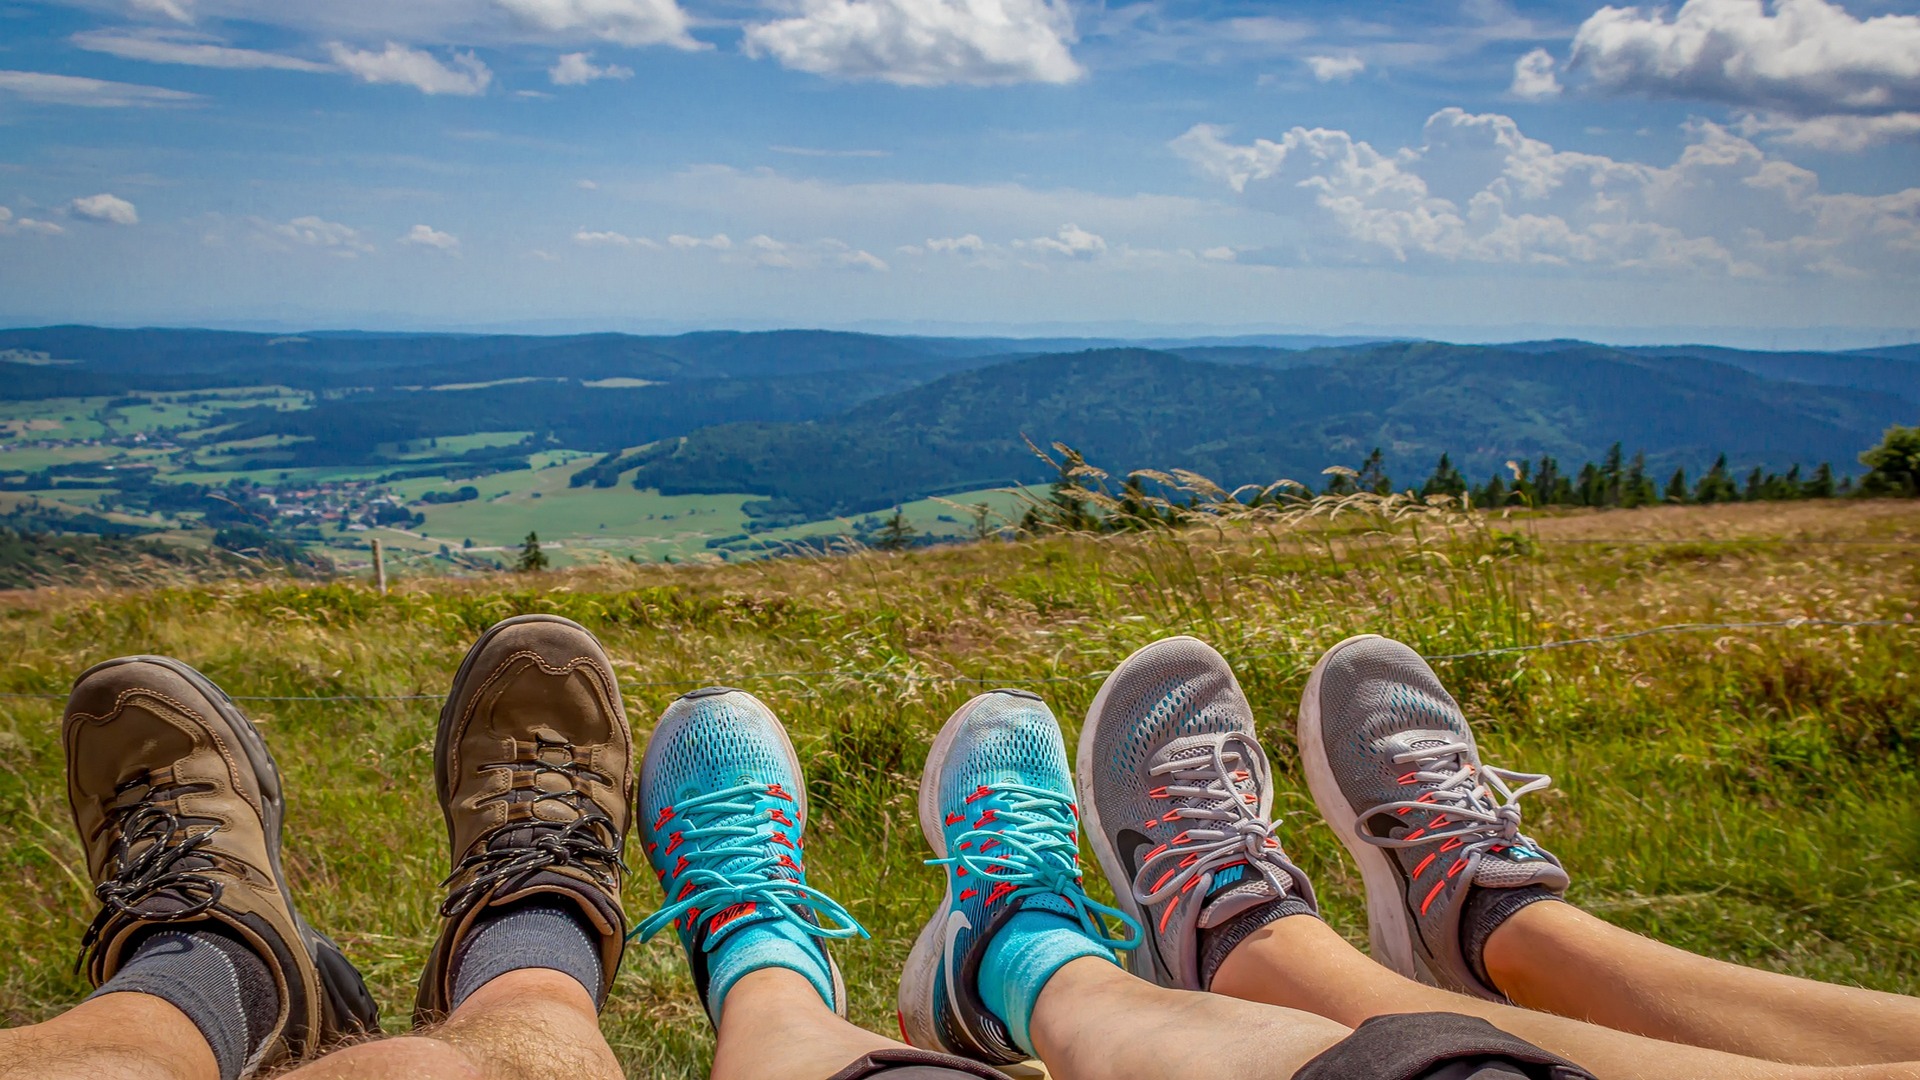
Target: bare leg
[[1301, 963], [776, 1027], [1096, 1022], [1559, 959], [531, 1024], [116, 1037]]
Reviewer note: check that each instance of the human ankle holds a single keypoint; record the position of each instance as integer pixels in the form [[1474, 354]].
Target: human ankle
[[214, 978], [774, 943], [546, 931], [1489, 914], [1220, 942], [1022, 958]]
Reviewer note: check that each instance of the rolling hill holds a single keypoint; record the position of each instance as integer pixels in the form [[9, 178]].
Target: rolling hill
[[1250, 423]]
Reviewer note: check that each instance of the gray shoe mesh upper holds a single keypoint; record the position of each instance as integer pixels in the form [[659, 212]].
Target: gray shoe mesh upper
[[1410, 773], [1173, 753]]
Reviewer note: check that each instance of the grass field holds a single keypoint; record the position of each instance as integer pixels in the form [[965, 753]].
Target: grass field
[[1748, 794]]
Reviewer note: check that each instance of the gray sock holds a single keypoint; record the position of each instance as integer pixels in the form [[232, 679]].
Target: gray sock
[[1486, 910], [545, 932], [214, 977]]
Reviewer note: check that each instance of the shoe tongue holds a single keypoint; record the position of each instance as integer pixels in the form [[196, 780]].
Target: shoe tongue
[[731, 920], [1517, 866], [1234, 890]]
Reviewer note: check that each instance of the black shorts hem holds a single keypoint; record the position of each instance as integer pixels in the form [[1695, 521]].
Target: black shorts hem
[[1436, 1046], [908, 1064]]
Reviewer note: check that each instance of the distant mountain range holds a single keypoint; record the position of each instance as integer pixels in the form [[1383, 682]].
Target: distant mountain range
[[846, 423]]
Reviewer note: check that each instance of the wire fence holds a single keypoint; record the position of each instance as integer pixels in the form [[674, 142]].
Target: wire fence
[[897, 675]]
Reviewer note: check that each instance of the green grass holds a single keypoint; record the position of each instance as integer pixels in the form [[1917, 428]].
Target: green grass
[[1749, 796], [585, 522]]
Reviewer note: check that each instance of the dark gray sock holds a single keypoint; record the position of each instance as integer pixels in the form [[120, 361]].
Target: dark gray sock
[[1218, 942], [213, 976], [545, 932], [1486, 910]]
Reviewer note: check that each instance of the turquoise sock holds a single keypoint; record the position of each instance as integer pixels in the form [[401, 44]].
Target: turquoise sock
[[1022, 957], [774, 943]]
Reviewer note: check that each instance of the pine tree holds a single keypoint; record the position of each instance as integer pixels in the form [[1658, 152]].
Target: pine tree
[[897, 534], [1373, 475], [1549, 487], [1756, 485], [1591, 490], [1677, 487], [1637, 489], [983, 528], [1523, 489], [1493, 495], [1446, 480], [1821, 486], [531, 557], [1613, 483], [1717, 486]]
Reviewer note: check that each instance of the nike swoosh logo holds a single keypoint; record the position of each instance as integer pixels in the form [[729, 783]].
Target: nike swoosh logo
[[1131, 843], [957, 921]]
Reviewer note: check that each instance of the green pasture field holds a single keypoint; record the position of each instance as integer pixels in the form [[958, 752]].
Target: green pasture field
[[453, 444], [1746, 794], [31, 459], [53, 418], [512, 504]]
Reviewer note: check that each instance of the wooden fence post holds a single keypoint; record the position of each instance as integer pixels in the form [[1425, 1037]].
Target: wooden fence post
[[379, 568]]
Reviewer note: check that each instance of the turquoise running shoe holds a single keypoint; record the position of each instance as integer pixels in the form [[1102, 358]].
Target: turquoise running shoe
[[723, 810], [997, 806]]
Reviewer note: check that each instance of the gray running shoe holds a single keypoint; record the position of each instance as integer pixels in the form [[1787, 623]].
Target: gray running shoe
[[1394, 769], [1178, 800]]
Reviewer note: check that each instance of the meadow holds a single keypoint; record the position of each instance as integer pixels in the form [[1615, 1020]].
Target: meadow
[[1747, 793]]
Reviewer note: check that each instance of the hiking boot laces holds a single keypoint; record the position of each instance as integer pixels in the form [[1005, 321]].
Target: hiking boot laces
[[741, 870], [1226, 827], [1471, 819], [155, 853], [587, 842], [1034, 852]]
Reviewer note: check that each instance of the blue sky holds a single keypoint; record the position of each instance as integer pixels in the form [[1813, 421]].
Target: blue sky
[[1741, 170]]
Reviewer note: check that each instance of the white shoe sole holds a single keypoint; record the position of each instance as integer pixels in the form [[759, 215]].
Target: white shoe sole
[[1388, 926], [918, 1025]]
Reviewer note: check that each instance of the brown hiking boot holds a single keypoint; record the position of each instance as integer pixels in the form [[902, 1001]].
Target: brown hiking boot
[[178, 806], [534, 767]]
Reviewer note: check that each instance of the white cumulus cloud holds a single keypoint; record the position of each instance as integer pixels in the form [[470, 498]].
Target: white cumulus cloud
[[164, 47], [11, 224], [588, 238], [49, 89], [314, 232], [429, 237], [1804, 58], [578, 69], [623, 22], [105, 209], [1335, 68], [925, 42], [1534, 77], [718, 242], [969, 244], [1478, 190], [465, 75], [1071, 241]]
